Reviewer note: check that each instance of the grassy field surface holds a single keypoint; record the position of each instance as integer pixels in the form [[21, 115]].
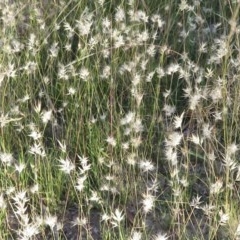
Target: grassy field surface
[[119, 120]]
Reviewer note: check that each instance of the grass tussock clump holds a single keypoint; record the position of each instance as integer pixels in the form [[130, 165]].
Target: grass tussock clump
[[119, 120]]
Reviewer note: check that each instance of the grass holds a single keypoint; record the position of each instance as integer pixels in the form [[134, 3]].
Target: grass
[[119, 120]]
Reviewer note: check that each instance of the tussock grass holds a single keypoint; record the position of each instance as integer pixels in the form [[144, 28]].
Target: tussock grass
[[119, 120]]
